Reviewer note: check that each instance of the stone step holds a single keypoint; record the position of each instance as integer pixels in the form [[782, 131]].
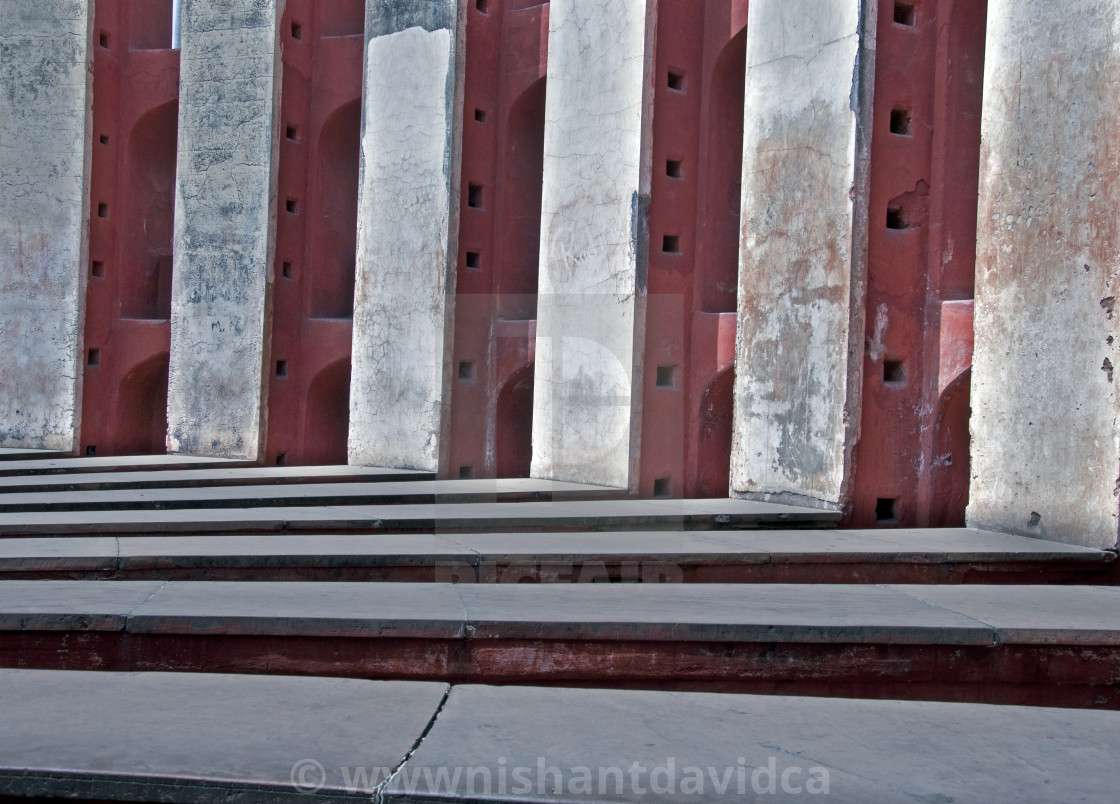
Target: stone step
[[395, 492], [134, 463], [1039, 645], [586, 515], [107, 736], [22, 454], [193, 478], [757, 556]]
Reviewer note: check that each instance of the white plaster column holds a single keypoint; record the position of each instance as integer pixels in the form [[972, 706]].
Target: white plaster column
[[803, 247], [594, 241], [225, 223], [408, 224], [45, 97], [1045, 411]]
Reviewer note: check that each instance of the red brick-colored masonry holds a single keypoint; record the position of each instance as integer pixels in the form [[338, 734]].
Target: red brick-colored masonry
[[316, 234], [1028, 675], [132, 193], [911, 461]]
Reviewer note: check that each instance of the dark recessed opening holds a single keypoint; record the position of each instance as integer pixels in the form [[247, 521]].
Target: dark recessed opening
[[292, 133], [474, 196], [666, 376], [474, 260], [904, 14], [480, 115], [893, 371], [886, 510], [94, 358], [281, 459], [676, 81], [900, 121], [91, 450], [103, 39], [103, 210], [662, 487], [895, 218], [291, 206], [671, 244], [466, 370], [286, 270], [281, 368], [480, 5], [103, 139], [297, 31], [97, 268], [466, 472], [673, 168]]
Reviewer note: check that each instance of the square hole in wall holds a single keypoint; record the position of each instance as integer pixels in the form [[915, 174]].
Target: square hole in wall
[[286, 270], [673, 168], [281, 459], [895, 218], [480, 115], [97, 268], [904, 14], [474, 260], [466, 371], [91, 450], [281, 368], [671, 244], [103, 39], [297, 30], [103, 210], [103, 139], [466, 472], [666, 376], [893, 371], [474, 196], [480, 5], [900, 121], [94, 357], [886, 511], [292, 133], [675, 81], [292, 206], [662, 487]]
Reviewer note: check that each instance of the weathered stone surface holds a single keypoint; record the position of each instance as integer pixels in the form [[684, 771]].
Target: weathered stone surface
[[799, 350], [593, 241], [225, 222], [44, 217], [1045, 433], [408, 212]]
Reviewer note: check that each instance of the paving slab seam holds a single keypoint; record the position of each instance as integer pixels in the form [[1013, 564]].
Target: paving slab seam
[[994, 629], [377, 796], [141, 604]]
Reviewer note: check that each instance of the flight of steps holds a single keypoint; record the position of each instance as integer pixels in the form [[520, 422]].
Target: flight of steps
[[183, 579]]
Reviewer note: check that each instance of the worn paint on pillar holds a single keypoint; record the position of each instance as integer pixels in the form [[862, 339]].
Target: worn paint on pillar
[[407, 234], [225, 222], [1045, 438], [44, 215], [594, 241], [799, 341]]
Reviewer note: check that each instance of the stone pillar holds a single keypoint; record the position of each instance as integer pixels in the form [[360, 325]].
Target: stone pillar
[[802, 263], [594, 241], [225, 223], [1045, 410], [45, 89], [408, 224]]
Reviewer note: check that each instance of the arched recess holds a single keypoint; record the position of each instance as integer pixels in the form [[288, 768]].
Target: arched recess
[[713, 468], [149, 24], [513, 447], [141, 414], [719, 226], [517, 279], [949, 474], [336, 196], [327, 415], [145, 289]]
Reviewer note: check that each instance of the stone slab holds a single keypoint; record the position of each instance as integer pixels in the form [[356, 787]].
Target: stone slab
[[71, 605], [766, 747], [132, 463], [408, 224], [799, 343], [594, 240], [385, 493], [19, 454], [45, 88], [225, 226], [192, 737]]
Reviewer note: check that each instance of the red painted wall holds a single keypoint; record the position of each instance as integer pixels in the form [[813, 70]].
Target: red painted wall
[[128, 300]]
